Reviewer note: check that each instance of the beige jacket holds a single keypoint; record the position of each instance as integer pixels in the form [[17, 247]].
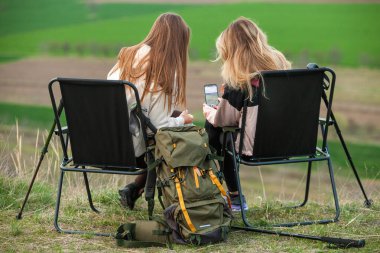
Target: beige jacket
[[229, 113], [153, 105]]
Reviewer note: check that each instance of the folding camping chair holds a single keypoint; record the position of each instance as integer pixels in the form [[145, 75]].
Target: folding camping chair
[[97, 130], [287, 129]]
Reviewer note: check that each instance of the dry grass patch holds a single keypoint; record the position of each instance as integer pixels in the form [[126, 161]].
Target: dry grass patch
[[266, 194]]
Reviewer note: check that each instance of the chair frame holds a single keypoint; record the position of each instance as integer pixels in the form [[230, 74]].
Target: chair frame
[[63, 133], [321, 154]]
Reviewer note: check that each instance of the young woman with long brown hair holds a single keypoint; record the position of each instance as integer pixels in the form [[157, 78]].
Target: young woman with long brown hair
[[244, 52], [157, 66]]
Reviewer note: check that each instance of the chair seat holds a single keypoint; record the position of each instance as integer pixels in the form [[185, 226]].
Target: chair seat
[[252, 159], [103, 169], [255, 161]]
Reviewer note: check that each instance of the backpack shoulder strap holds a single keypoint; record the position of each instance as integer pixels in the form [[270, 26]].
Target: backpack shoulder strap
[[215, 180], [182, 205]]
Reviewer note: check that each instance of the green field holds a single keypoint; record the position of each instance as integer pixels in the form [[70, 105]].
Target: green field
[[26, 115], [340, 34]]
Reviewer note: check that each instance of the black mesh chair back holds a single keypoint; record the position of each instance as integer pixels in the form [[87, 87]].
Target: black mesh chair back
[[288, 113], [98, 122]]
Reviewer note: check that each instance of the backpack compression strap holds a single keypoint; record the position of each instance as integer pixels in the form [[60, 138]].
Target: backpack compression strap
[[183, 207], [215, 180]]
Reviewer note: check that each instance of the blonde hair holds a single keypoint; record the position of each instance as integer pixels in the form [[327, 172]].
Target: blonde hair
[[166, 63], [244, 50]]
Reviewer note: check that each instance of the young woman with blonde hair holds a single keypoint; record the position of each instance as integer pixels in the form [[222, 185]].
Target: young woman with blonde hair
[[157, 66], [244, 52]]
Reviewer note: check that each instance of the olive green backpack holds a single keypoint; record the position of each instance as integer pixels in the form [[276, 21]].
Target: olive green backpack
[[196, 207], [194, 201]]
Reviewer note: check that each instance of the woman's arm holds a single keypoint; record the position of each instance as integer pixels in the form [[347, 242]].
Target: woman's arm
[[174, 122], [184, 118], [224, 115], [227, 112]]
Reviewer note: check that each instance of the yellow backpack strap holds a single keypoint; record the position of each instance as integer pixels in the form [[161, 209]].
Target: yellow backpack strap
[[196, 180], [215, 180], [183, 207]]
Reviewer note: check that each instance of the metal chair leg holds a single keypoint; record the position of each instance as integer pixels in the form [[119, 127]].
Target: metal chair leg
[[307, 187], [292, 224], [243, 213], [332, 180], [336, 200], [367, 202], [58, 203], [306, 198], [42, 156], [56, 215], [323, 221], [89, 193]]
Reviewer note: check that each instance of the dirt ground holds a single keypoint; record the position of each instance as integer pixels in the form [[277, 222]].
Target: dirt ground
[[26, 81], [357, 97]]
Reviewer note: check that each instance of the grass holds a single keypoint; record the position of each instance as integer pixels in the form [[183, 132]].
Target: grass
[[364, 157], [340, 34], [32, 115], [35, 231], [32, 16], [13, 191]]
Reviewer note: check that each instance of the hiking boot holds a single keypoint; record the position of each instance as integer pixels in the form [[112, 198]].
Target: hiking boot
[[235, 203], [129, 194]]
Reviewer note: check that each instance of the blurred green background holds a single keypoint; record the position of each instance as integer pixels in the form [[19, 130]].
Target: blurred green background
[[339, 34]]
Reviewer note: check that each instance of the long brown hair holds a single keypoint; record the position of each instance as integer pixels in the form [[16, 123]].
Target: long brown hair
[[244, 51], [166, 63]]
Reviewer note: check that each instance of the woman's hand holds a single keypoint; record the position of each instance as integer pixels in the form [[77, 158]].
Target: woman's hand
[[207, 110], [209, 113], [187, 117]]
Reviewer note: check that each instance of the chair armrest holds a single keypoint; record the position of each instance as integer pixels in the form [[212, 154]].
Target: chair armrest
[[323, 121], [231, 129], [64, 130]]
